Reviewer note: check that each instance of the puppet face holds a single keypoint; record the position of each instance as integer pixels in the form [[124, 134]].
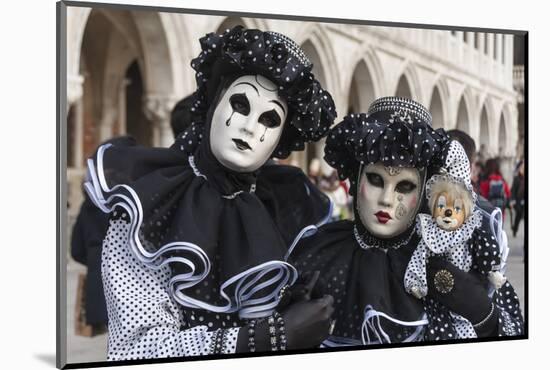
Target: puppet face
[[449, 213], [388, 199], [247, 123]]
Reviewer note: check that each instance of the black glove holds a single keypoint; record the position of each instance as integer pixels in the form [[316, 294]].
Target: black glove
[[467, 295], [307, 323], [309, 286], [307, 320]]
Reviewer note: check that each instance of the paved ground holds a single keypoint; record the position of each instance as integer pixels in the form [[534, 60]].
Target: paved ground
[[515, 270], [82, 349]]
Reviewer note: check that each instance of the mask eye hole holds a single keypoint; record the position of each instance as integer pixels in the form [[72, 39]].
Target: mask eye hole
[[270, 119], [240, 104], [375, 179], [405, 187]]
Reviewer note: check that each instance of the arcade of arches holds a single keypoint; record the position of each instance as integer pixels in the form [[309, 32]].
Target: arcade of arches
[[127, 69]]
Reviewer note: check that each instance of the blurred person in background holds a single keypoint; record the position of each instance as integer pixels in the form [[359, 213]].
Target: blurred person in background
[[86, 241], [494, 188], [331, 185], [477, 175], [314, 171], [517, 200]]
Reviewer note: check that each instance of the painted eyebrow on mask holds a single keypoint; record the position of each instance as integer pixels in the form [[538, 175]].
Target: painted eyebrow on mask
[[249, 84], [279, 104]]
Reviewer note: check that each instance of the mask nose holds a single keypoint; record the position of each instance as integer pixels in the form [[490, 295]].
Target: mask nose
[[448, 213], [249, 126]]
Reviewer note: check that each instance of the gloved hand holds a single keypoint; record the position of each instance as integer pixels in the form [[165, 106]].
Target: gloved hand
[[307, 320], [309, 286], [468, 296]]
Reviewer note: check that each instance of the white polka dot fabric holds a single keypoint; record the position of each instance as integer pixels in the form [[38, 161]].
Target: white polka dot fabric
[[470, 247], [464, 328], [510, 320], [457, 163], [144, 322], [453, 245]]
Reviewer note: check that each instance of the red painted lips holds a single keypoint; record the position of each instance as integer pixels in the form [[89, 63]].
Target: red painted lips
[[382, 217]]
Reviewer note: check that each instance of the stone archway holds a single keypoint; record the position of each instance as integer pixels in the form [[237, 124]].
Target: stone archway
[[318, 69], [404, 88], [436, 109], [362, 91], [229, 23], [110, 41], [463, 120], [502, 137], [484, 139], [137, 124]]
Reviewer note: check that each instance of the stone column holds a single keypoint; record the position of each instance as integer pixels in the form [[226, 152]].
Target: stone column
[[470, 39], [157, 109], [490, 45], [75, 174], [122, 106], [460, 46], [74, 89], [509, 50], [499, 42], [74, 99], [481, 42], [78, 150], [107, 123]]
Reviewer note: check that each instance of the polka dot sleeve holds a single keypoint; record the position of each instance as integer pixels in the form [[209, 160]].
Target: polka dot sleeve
[[485, 252], [144, 322], [510, 319]]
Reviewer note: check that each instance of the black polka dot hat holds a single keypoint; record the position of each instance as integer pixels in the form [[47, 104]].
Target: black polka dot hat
[[240, 51], [396, 131]]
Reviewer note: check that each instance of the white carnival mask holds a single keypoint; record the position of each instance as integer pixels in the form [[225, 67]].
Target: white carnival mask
[[247, 123], [388, 198]]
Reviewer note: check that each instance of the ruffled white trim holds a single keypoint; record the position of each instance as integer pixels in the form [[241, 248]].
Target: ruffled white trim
[[371, 323], [309, 231], [121, 195]]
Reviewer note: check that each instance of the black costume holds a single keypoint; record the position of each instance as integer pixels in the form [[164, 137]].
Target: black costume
[[212, 238], [366, 273]]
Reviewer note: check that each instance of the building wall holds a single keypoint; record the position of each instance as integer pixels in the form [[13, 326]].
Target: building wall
[[465, 79]]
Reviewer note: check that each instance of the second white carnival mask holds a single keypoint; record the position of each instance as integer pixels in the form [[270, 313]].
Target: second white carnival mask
[[388, 199]]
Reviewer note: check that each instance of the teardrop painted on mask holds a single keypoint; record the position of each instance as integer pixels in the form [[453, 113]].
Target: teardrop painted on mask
[[228, 122], [263, 136]]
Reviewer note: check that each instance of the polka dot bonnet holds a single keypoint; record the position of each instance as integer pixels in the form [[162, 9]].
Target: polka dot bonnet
[[396, 131], [240, 51]]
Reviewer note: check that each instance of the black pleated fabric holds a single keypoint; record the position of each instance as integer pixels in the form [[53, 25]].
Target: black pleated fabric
[[358, 278], [180, 203]]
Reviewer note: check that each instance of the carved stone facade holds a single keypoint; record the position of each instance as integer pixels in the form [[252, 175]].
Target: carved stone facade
[[127, 69]]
